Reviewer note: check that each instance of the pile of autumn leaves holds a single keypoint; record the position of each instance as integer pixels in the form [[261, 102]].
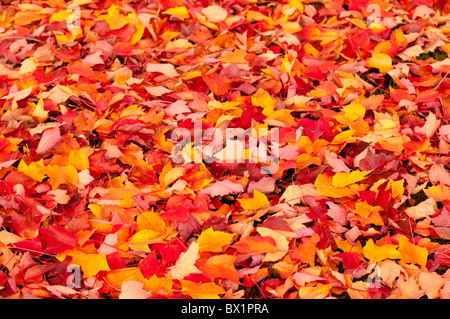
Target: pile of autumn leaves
[[359, 206]]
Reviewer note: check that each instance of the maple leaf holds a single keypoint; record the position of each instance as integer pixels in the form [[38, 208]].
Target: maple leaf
[[57, 239], [221, 266], [185, 265], [180, 12], [282, 243], [213, 241], [133, 290], [151, 221], [381, 61], [178, 208], [431, 283], [344, 179], [221, 188], [423, 209], [306, 251], [90, 105], [320, 291], [410, 253], [325, 186], [380, 253], [207, 290], [117, 277], [293, 194], [91, 264], [215, 13], [259, 200], [141, 239]]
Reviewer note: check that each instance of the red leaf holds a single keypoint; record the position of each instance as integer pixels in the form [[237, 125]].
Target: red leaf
[[152, 266], [32, 245], [57, 239], [178, 208], [349, 259], [217, 83]]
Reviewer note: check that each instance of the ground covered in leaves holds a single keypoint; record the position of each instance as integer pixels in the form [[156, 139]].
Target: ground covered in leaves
[[92, 204]]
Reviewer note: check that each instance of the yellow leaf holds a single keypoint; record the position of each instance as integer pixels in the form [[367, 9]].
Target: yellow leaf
[[378, 253], [142, 238], [293, 4], [380, 61], [169, 174], [38, 111], [137, 35], [343, 179], [344, 137], [179, 12], [397, 188], [61, 175], [352, 112], [325, 187], [439, 193], [211, 240], [69, 37], [91, 264], [411, 253], [34, 170], [115, 19], [192, 75], [196, 290], [291, 27], [152, 221], [157, 284], [283, 116], [259, 200], [59, 16], [96, 209], [263, 99], [80, 158]]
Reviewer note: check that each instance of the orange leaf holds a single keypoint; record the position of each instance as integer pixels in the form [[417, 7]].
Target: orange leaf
[[211, 240], [196, 290], [306, 251], [259, 200], [379, 253], [221, 266], [91, 264], [325, 187], [255, 245], [218, 84], [410, 253]]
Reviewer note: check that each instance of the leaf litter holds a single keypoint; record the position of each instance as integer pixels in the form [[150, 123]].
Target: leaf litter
[[94, 205]]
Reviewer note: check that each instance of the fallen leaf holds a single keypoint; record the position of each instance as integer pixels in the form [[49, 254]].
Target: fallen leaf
[[185, 265], [259, 200], [379, 253]]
